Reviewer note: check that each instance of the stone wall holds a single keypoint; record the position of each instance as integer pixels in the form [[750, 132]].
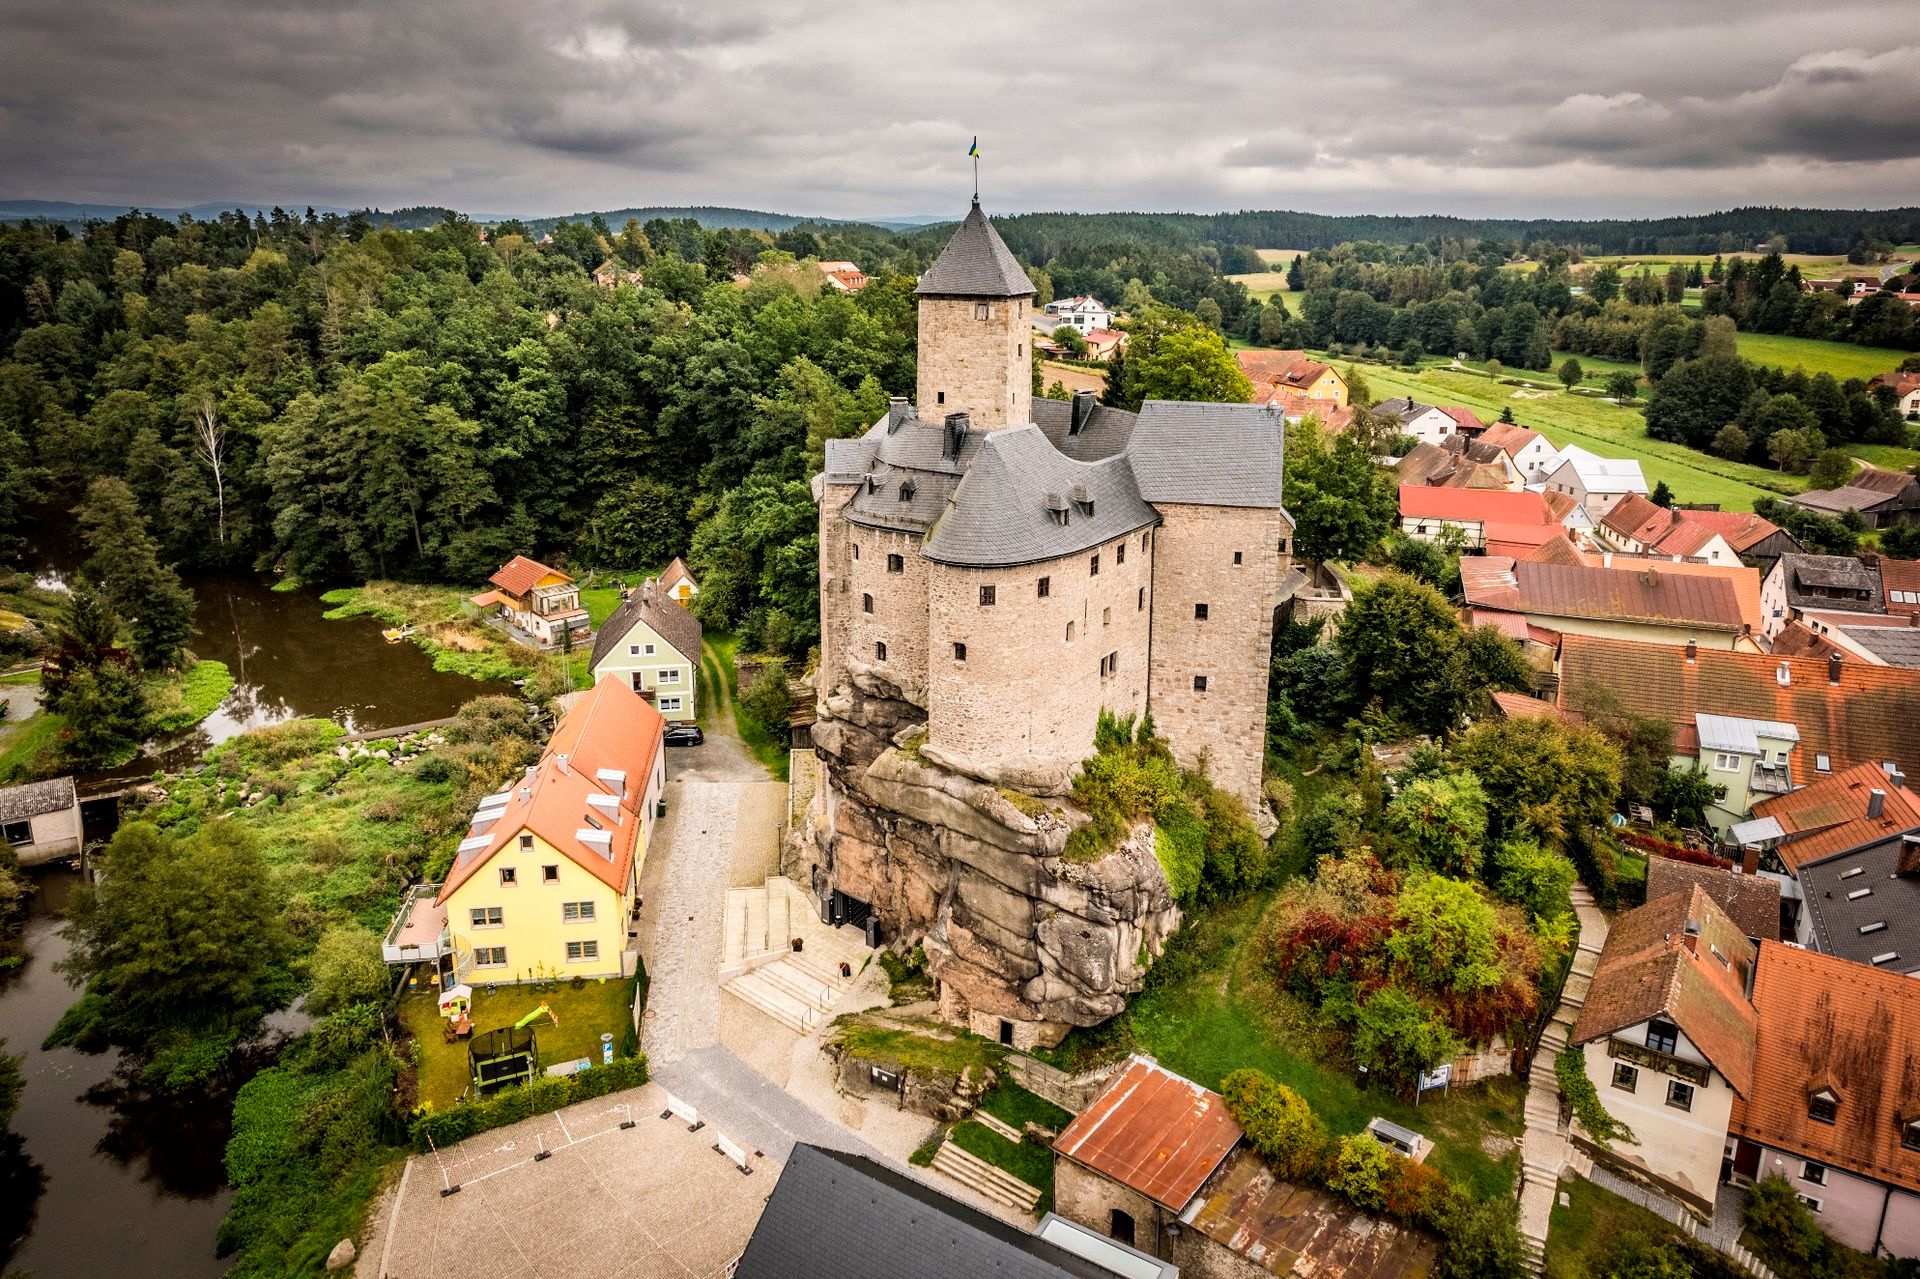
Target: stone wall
[[1193, 564], [1012, 931], [1086, 1197], [836, 601], [936, 1094], [976, 366], [899, 616], [1021, 709]]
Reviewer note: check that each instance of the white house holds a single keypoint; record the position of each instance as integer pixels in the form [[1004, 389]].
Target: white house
[[677, 580], [1424, 422], [1531, 453], [1597, 483], [652, 645], [41, 820], [1082, 313]]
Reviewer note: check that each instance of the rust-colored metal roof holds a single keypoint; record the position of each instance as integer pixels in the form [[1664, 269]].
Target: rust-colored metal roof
[[1829, 816], [1154, 1132]]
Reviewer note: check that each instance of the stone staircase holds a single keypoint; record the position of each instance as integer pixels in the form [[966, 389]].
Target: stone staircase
[[980, 1176], [759, 966]]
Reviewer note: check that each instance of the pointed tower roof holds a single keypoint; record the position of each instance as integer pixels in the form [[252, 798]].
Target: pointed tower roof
[[976, 264]]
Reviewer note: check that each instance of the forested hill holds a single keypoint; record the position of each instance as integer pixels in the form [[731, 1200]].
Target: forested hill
[[708, 216]]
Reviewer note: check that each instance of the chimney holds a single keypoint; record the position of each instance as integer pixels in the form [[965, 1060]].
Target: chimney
[[560, 762], [899, 412], [1876, 802], [958, 425], [1082, 411], [1896, 778], [1693, 651], [1833, 668], [1783, 676]]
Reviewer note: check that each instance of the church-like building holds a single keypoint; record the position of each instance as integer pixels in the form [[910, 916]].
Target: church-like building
[[997, 570]]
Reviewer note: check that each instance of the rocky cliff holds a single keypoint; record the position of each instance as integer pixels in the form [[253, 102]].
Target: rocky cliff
[[1013, 931]]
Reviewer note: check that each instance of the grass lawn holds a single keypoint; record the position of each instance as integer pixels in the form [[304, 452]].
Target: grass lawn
[[599, 601], [459, 644], [716, 700], [185, 702], [1030, 1161], [1073, 377], [1842, 359], [26, 747], [1015, 1106], [1584, 1231], [1219, 1014], [596, 1008]]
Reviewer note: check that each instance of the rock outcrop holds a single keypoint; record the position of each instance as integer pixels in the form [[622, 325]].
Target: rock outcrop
[[1013, 931]]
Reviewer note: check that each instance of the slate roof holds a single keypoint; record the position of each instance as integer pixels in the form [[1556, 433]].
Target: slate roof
[[519, 575], [1802, 574], [1208, 454], [999, 514], [1850, 1028], [1105, 433], [1606, 594], [1867, 717], [663, 614], [976, 264], [839, 1216], [1861, 908], [37, 799], [1404, 407], [1894, 645], [1153, 1132], [908, 479], [1752, 902], [1829, 815], [1649, 969]]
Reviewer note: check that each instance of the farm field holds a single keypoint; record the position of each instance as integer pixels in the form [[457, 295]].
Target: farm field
[[1281, 258], [1072, 376], [1842, 359], [1261, 283]]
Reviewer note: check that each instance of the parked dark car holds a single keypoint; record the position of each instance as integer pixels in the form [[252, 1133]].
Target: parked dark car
[[685, 735]]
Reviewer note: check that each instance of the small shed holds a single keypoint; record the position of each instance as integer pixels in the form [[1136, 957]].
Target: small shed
[[41, 820]]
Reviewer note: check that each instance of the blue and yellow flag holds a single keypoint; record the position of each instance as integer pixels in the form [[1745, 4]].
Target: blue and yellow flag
[[973, 149]]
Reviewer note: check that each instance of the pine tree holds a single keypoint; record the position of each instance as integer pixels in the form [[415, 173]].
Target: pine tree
[[125, 562]]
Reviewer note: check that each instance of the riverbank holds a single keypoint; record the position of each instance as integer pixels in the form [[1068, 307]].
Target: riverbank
[[31, 744]]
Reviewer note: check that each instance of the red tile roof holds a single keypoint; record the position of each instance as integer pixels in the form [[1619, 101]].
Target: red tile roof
[[1520, 706], [520, 574], [1900, 575], [1557, 550], [1752, 902], [1508, 437], [1742, 529], [1635, 517], [1154, 1132], [1867, 717], [1829, 815], [1651, 967], [1604, 594], [1423, 502], [1796, 639], [1463, 417], [1520, 540], [1825, 1023]]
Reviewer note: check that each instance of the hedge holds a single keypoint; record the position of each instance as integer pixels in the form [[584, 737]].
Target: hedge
[[542, 1096]]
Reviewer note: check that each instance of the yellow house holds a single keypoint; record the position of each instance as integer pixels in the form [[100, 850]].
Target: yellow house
[[543, 886], [652, 645], [1290, 375], [678, 581]]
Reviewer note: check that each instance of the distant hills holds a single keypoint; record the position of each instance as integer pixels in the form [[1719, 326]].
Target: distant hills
[[714, 218]]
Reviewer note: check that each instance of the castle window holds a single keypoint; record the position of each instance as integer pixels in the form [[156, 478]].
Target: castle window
[[1069, 632], [959, 652], [856, 550], [1046, 587], [1145, 539], [1106, 617], [896, 564], [1199, 612], [986, 597], [1093, 569], [866, 603], [1236, 557], [880, 650], [1142, 605], [939, 397], [1120, 553], [981, 311], [1199, 683], [1019, 348], [1282, 548], [1103, 668]]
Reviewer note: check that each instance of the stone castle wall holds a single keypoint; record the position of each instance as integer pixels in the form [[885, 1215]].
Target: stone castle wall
[[836, 599], [976, 366], [899, 616], [1021, 709], [1230, 648]]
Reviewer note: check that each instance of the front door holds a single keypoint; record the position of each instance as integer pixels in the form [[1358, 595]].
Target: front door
[[1746, 1158]]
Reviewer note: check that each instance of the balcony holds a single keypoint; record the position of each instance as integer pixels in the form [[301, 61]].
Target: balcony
[[418, 934], [1653, 1059]]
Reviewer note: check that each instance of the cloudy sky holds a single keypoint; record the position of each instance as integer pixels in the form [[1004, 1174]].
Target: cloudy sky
[[859, 108]]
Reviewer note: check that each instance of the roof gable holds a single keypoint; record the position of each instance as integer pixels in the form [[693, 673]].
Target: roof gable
[[1830, 815], [1752, 902], [658, 612], [976, 264], [521, 574]]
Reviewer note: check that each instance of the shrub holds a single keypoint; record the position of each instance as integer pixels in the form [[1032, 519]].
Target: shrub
[[346, 969], [1394, 1035], [1442, 821], [1279, 1123], [1362, 1171], [511, 1105], [1418, 1194], [1482, 1240], [1784, 1233], [1570, 1068], [1535, 879], [768, 701], [435, 769]]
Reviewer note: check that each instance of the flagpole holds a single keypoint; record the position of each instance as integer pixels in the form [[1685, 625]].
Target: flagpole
[[976, 176]]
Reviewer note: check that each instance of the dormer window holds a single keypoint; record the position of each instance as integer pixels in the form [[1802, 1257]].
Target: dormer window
[[1823, 1107], [907, 489], [1910, 1135], [1662, 1036]]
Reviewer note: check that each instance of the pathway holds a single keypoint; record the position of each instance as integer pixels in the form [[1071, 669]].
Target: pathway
[[1723, 1236], [1544, 1148]]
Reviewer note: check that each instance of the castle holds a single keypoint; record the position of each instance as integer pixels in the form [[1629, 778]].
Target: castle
[[995, 572]]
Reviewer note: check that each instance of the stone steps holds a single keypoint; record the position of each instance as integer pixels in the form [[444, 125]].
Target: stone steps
[[979, 1175], [754, 989], [994, 1124]]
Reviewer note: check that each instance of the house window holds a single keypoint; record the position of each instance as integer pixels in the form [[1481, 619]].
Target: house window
[[487, 916], [1199, 612], [509, 876], [526, 843], [582, 950], [1822, 764], [1106, 617], [1625, 1077], [879, 650], [1046, 587], [1823, 1107], [866, 603], [639, 681], [1103, 668], [1813, 1172], [939, 397], [669, 704], [633, 650], [959, 652], [490, 956], [667, 677], [1236, 557], [1146, 539], [1120, 553], [646, 650], [576, 912], [986, 597], [1120, 1227], [896, 564], [1679, 1095], [1726, 762], [19, 832], [1662, 1036], [1093, 567], [1140, 604], [1282, 548], [549, 874], [1910, 1136], [1199, 683], [1811, 1203]]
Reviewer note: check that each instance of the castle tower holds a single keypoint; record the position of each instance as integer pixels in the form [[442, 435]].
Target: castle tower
[[976, 331]]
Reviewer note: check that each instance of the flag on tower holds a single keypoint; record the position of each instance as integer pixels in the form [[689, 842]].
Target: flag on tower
[[973, 148]]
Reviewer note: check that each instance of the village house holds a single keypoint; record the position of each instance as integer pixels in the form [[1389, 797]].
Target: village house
[[1290, 377], [1104, 344], [1880, 498], [1752, 902], [843, 277], [535, 605], [1640, 527], [1645, 604], [1460, 463], [1427, 423], [1156, 1163], [41, 820], [1751, 758], [1531, 453], [1754, 540], [1596, 483], [1906, 391], [651, 644], [678, 582], [1476, 516], [544, 885], [1082, 313], [1816, 588]]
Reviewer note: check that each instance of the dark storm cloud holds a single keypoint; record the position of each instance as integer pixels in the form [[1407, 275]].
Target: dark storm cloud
[[857, 107]]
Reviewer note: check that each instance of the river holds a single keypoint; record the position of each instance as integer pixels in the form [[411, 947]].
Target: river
[[132, 1183]]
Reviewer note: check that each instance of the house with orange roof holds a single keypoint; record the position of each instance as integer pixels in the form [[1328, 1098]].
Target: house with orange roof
[[1532, 453], [1755, 540], [544, 883], [677, 580], [843, 277], [1427, 512], [534, 604], [1642, 604], [1639, 526], [1276, 374]]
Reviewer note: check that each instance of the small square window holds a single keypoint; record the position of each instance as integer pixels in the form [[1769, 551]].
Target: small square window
[[1199, 612], [1093, 567], [1823, 1107], [1811, 1203], [981, 311], [1910, 1136], [1046, 587], [1662, 1036], [1626, 1078], [1199, 683], [986, 597], [959, 652], [549, 874], [1679, 1095], [1236, 557], [19, 832], [879, 650], [896, 564], [509, 876], [633, 650], [1813, 1172], [526, 843], [866, 603]]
